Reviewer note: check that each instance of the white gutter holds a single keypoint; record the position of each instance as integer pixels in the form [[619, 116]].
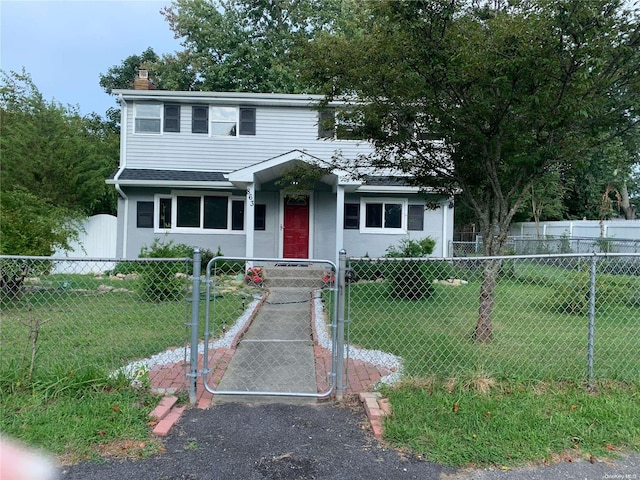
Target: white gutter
[[172, 184], [227, 98], [387, 189], [123, 164]]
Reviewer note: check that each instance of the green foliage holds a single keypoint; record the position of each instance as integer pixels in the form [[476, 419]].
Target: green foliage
[[29, 225], [164, 281], [301, 178], [54, 165], [572, 294], [410, 279], [235, 45], [409, 248], [519, 116]]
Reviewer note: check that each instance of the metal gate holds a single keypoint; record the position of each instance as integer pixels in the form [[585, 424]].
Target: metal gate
[[270, 327]]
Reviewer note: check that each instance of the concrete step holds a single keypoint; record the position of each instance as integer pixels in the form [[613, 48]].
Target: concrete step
[[296, 276]]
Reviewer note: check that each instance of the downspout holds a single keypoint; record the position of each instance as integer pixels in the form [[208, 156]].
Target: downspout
[[123, 163]]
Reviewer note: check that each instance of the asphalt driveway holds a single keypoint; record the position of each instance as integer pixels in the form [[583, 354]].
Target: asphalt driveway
[[277, 441]]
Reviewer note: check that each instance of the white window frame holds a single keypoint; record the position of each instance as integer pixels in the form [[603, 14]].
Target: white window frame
[[404, 203], [212, 109], [160, 117], [198, 230]]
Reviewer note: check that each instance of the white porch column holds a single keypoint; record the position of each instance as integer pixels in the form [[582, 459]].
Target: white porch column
[[339, 221], [249, 216]]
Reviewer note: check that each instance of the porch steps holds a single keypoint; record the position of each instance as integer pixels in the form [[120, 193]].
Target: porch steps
[[295, 276]]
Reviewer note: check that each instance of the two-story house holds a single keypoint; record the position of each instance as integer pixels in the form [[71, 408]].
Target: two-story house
[[204, 168]]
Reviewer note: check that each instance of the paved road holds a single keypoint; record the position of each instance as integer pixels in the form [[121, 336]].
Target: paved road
[[302, 442]]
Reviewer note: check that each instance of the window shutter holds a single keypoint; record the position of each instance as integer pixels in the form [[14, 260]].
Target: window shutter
[[351, 216], [326, 123], [247, 121], [172, 118], [144, 215], [260, 217], [200, 119], [416, 217]]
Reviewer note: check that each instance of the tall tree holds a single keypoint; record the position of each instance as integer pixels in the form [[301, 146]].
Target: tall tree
[[235, 45], [54, 162], [513, 90]]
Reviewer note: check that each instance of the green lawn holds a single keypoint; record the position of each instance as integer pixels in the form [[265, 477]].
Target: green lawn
[[72, 402], [521, 398], [535, 334], [477, 422]]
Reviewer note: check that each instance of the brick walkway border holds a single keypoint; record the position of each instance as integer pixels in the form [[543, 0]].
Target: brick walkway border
[[170, 378]]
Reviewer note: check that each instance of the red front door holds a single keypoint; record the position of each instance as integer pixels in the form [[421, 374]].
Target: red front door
[[296, 227]]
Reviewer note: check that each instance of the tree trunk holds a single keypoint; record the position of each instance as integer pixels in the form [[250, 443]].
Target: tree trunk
[[628, 209], [484, 326]]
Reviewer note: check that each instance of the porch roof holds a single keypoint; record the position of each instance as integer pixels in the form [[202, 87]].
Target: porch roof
[[275, 167]]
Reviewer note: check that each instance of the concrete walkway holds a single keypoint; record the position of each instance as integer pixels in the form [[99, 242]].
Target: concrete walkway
[[276, 353]]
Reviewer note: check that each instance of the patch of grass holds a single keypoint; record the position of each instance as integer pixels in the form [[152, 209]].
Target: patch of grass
[[85, 327], [71, 404], [475, 422], [79, 415]]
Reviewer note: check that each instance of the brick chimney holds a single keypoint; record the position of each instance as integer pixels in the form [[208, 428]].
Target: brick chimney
[[142, 81]]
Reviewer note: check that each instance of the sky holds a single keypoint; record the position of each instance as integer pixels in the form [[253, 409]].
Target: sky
[[66, 44]]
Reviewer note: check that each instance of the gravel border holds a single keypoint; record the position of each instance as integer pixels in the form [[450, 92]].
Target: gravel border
[[378, 358], [375, 357]]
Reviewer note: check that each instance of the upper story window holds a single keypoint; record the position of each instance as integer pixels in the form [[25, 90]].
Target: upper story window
[[148, 117], [341, 124], [223, 121]]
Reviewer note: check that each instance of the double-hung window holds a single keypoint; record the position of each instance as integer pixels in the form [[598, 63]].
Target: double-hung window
[[341, 124], [223, 121], [148, 117], [156, 118], [232, 121], [187, 212], [383, 215]]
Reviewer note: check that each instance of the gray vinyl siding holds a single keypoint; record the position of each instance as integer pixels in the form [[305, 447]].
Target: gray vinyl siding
[[278, 130], [265, 243], [324, 239]]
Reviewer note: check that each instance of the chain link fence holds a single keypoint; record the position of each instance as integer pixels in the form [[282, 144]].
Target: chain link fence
[[573, 317], [558, 317], [70, 314], [551, 245]]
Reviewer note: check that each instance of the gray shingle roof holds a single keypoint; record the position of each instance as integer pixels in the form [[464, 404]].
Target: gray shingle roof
[[385, 181], [169, 175]]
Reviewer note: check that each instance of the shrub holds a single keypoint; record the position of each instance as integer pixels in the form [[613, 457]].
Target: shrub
[[408, 248], [410, 279], [572, 295], [164, 281]]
